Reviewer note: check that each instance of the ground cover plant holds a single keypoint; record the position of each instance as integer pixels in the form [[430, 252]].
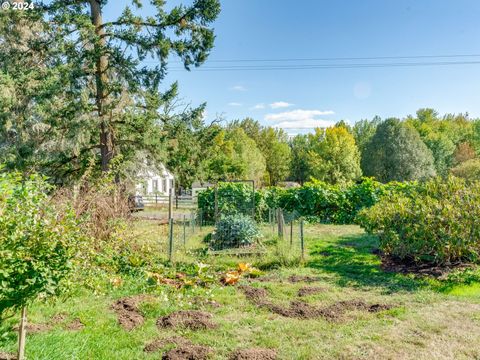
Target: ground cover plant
[[338, 304]]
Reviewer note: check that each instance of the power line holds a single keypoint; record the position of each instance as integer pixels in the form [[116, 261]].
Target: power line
[[326, 66], [346, 58]]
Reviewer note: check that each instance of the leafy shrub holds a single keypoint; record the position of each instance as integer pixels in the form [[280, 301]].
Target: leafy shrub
[[315, 200], [435, 223], [38, 242], [234, 231]]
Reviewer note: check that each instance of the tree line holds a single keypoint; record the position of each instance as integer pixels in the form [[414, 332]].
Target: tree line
[[414, 148]]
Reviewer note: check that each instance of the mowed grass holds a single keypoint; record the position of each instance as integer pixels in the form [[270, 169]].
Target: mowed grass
[[429, 319]]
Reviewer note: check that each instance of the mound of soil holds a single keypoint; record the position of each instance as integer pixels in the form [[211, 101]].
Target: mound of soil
[[254, 354], [7, 356], [310, 290], [75, 325], [391, 264], [187, 352], [35, 328], [161, 343], [302, 310], [128, 313], [192, 319], [199, 301], [336, 311], [297, 309], [299, 278]]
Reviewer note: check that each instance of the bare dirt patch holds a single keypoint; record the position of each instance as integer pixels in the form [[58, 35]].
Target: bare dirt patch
[[254, 354], [35, 328], [161, 343], [300, 278], [337, 310], [187, 352], [301, 310], [128, 313], [310, 290], [75, 325], [7, 356], [192, 319], [391, 264]]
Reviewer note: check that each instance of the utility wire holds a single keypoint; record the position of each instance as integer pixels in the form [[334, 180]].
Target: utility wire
[[325, 66]]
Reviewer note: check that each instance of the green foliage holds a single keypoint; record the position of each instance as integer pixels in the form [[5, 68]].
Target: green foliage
[[234, 231], [436, 223], [334, 156], [37, 242], [233, 198], [397, 153], [469, 170], [316, 200], [86, 96], [300, 167]]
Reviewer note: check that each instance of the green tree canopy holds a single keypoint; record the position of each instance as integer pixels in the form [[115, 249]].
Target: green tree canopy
[[397, 153], [86, 94], [334, 156]]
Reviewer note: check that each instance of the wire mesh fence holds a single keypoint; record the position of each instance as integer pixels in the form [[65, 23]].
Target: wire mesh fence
[[188, 234]]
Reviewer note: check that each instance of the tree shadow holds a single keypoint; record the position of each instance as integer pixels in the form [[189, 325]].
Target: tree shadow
[[351, 258]]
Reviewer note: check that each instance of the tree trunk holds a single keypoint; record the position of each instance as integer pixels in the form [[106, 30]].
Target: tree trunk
[[22, 331], [106, 136]]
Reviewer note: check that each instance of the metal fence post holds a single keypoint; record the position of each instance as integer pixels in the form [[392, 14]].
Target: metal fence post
[[302, 243], [291, 233], [170, 203], [184, 230], [170, 239]]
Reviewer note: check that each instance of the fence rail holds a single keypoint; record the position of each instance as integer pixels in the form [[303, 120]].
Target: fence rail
[[180, 201]]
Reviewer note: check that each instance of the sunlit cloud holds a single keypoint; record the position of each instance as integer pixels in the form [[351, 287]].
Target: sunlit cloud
[[280, 105], [304, 124], [234, 104], [238, 88], [297, 115], [259, 107]]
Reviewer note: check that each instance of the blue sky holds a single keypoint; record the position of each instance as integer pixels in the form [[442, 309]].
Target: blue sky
[[299, 99]]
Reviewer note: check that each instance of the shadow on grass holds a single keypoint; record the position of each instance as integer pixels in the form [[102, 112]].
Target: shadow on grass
[[350, 258]]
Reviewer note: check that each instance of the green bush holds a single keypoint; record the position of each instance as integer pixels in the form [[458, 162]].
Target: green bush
[[234, 231], [316, 201], [37, 242], [435, 223]]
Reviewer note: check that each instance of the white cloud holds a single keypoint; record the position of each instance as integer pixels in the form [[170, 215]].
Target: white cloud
[[280, 104], [305, 124], [234, 104], [297, 115], [238, 88], [259, 107]]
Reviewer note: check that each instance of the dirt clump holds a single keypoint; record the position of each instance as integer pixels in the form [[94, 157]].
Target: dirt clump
[[7, 356], [35, 328], [297, 309], [254, 354], [161, 343], [391, 264], [300, 278], [128, 313], [192, 319], [187, 352], [206, 302], [301, 310], [75, 325], [337, 310], [310, 290]]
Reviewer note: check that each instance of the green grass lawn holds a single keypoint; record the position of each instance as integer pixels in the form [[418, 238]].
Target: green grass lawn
[[428, 318]]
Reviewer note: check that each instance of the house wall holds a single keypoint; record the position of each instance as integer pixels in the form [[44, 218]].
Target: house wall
[[154, 183]]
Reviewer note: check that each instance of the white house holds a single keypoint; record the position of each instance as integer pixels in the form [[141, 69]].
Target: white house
[[157, 181]]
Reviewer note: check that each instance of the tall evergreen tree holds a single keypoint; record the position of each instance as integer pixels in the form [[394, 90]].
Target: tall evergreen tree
[[397, 153], [93, 95]]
